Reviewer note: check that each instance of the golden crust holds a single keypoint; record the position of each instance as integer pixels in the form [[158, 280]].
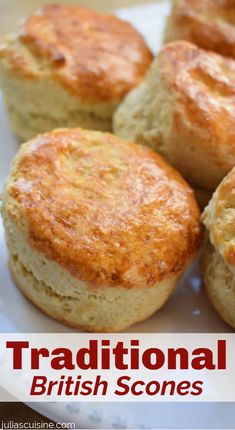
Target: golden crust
[[95, 56], [185, 109], [219, 218], [204, 111], [207, 23], [109, 211]]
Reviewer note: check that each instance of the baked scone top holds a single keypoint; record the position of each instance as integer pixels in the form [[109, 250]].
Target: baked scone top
[[219, 218], [110, 211], [95, 56], [208, 23], [205, 78], [203, 108]]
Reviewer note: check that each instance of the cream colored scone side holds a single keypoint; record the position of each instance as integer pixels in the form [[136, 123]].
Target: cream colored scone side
[[209, 217], [218, 218], [144, 115], [219, 281], [107, 310], [218, 275], [154, 114], [41, 104], [66, 299]]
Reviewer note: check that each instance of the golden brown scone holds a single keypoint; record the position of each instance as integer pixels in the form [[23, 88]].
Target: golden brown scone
[[185, 109], [209, 24], [69, 66], [218, 261], [98, 229]]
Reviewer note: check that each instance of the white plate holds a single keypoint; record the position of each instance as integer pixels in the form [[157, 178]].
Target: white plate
[[187, 311]]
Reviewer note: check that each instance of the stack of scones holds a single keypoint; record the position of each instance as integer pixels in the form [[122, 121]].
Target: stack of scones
[[101, 226]]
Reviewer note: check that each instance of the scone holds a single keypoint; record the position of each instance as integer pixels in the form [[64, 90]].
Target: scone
[[98, 229], [185, 110], [69, 66], [209, 24], [218, 259]]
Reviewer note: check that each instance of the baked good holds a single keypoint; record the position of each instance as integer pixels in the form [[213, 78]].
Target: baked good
[[185, 110], [98, 229], [69, 66], [209, 24], [218, 258]]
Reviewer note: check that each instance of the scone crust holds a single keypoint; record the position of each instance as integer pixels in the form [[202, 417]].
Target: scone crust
[[219, 218], [204, 84], [111, 212], [185, 109], [207, 23], [94, 56], [96, 313]]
